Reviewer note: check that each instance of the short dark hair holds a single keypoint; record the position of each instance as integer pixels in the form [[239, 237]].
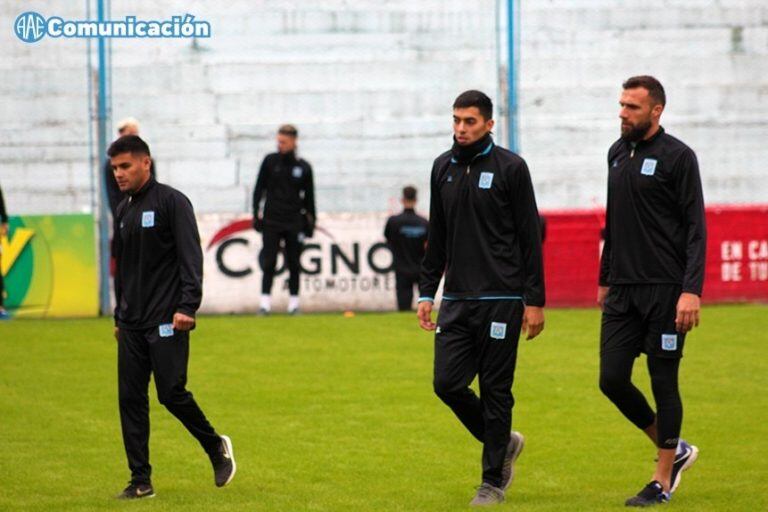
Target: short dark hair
[[128, 144], [409, 193], [477, 99], [649, 83], [288, 129]]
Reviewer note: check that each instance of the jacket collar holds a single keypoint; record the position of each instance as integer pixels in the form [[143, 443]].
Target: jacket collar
[[143, 190], [646, 142], [465, 154]]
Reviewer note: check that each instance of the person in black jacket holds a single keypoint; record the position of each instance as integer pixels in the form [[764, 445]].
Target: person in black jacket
[[651, 276], [484, 237], [3, 232], [158, 289], [288, 216], [406, 236]]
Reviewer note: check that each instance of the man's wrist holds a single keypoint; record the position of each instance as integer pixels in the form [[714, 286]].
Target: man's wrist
[[426, 299]]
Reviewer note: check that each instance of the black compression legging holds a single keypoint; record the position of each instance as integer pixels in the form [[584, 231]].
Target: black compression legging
[[616, 384]]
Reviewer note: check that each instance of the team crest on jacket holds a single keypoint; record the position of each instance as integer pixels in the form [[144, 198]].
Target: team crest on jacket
[[148, 219], [297, 171], [486, 178], [649, 166]]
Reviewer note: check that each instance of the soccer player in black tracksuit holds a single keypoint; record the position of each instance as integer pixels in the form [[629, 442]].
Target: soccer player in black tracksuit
[[651, 276], [406, 236], [484, 236], [3, 232], [288, 215], [158, 289]]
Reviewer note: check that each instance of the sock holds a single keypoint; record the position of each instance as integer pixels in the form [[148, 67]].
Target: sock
[[293, 303], [266, 302], [679, 449]]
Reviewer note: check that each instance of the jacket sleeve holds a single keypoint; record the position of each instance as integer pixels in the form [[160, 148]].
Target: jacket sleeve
[[117, 248], [691, 203], [309, 194], [433, 264], [388, 230], [3, 212], [261, 187], [528, 227], [605, 256], [189, 254]]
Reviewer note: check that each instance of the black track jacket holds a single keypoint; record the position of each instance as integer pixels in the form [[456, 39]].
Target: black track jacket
[[655, 229], [287, 183], [484, 228], [406, 236], [159, 259]]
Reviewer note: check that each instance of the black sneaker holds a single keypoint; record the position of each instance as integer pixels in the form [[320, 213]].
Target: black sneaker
[[515, 446], [137, 492], [223, 461], [683, 461], [652, 494]]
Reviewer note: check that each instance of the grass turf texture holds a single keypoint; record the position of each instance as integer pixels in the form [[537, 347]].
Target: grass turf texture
[[333, 413]]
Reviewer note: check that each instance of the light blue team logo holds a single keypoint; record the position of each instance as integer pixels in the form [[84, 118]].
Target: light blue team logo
[[450, 178], [30, 27], [413, 231], [486, 178], [498, 330], [166, 330], [669, 342], [297, 171], [148, 219], [649, 166]]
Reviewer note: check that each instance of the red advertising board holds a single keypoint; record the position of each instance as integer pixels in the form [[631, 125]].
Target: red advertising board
[[737, 255]]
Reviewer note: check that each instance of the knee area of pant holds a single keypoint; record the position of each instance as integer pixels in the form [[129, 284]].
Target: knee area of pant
[[495, 392], [446, 389], [611, 385], [132, 399], [172, 396]]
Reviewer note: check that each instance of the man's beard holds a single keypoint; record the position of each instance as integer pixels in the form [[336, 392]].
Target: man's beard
[[636, 133]]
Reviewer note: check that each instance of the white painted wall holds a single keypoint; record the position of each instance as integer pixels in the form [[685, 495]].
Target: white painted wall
[[370, 84]]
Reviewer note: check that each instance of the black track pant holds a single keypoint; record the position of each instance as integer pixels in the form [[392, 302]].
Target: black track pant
[[479, 338], [404, 284], [271, 241], [139, 354], [641, 318]]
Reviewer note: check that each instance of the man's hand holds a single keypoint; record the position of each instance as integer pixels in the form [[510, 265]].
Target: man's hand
[[602, 293], [533, 321], [117, 333], [258, 223], [688, 307], [425, 316], [182, 322], [4, 229]]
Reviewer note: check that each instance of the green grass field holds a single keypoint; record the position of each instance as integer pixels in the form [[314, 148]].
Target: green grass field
[[332, 413]]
